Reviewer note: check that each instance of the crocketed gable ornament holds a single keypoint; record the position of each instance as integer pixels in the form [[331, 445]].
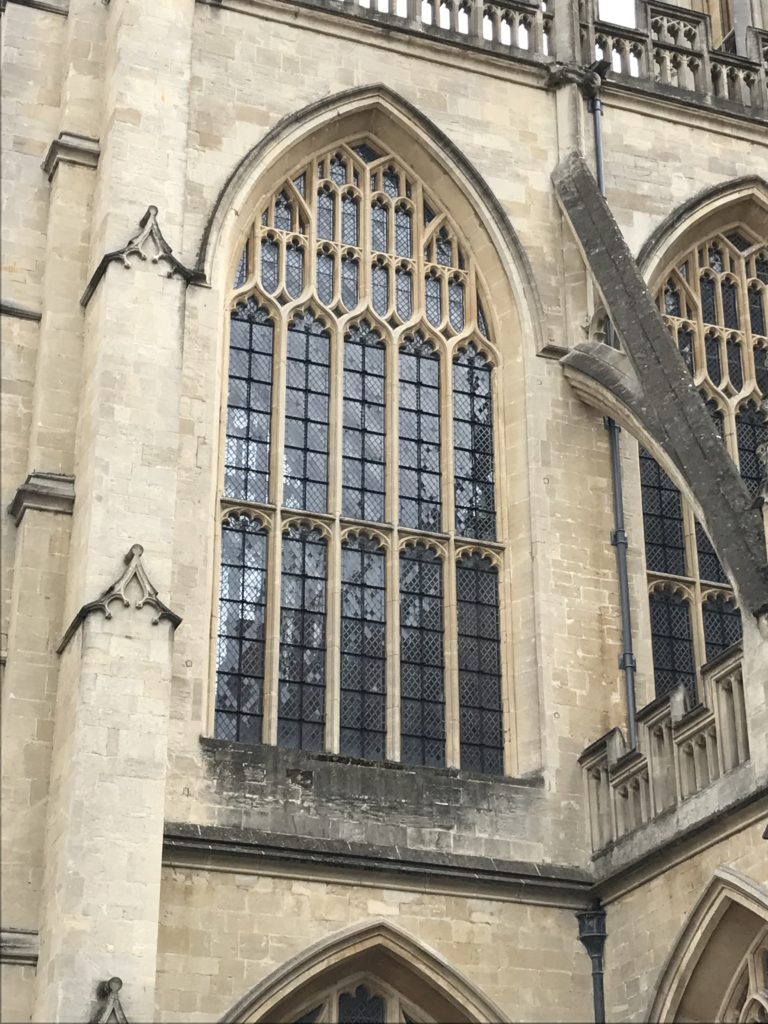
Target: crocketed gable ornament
[[110, 1012], [134, 571]]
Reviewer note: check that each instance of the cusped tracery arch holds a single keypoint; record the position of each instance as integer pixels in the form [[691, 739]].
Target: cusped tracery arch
[[717, 969], [372, 972]]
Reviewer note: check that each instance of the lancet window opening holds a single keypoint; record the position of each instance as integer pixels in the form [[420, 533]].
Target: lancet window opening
[[714, 300], [358, 485], [359, 999]]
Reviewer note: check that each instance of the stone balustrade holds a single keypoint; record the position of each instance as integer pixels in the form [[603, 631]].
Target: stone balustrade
[[680, 752]]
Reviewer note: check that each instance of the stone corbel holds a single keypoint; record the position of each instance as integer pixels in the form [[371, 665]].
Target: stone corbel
[[110, 1012], [46, 492], [147, 244], [118, 591], [71, 148]]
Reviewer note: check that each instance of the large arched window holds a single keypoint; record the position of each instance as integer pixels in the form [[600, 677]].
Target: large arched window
[[359, 597], [714, 299]]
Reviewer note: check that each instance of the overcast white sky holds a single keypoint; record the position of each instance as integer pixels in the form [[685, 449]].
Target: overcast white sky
[[620, 12]]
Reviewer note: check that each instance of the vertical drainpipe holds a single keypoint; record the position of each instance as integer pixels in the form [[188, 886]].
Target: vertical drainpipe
[[592, 933], [592, 82]]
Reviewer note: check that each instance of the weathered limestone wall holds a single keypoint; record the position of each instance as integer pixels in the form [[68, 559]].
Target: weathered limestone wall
[[644, 924], [222, 932]]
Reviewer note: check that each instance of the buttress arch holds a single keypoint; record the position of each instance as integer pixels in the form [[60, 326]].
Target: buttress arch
[[730, 915], [382, 951]]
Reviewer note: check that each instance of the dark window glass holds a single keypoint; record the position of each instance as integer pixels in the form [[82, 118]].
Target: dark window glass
[[379, 227], [756, 309], [349, 220], [363, 474], [761, 369], [419, 434], [761, 267], [311, 1016], [422, 697], [736, 238], [429, 214], [715, 256], [349, 281], [294, 270], [249, 405], [709, 564], [444, 249], [305, 468], [473, 445], [735, 369], [672, 643], [300, 184], [338, 170], [714, 359], [326, 205], [325, 277], [722, 625], [366, 152], [270, 276], [715, 413], [404, 295], [283, 212], [685, 344], [672, 300], [434, 299], [403, 233], [481, 322], [751, 432], [363, 649], [730, 304], [361, 1008], [301, 704], [390, 182], [380, 288], [240, 651], [242, 269], [456, 305], [708, 301], [662, 519], [477, 592]]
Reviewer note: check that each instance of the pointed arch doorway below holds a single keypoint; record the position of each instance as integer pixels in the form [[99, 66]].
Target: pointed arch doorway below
[[375, 973]]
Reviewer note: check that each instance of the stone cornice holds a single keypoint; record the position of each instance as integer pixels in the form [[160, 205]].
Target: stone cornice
[[19, 312], [18, 946], [45, 492], [71, 148]]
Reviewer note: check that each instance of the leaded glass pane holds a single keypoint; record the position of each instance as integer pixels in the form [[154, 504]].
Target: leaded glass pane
[[473, 445], [349, 220], [349, 281], [735, 368], [380, 288], [481, 323], [672, 643], [270, 273], [722, 625], [325, 277], [672, 300], [736, 238], [363, 462], [294, 270], [761, 267], [730, 304], [751, 432], [444, 249], [240, 649], [249, 405], [715, 257], [363, 649], [326, 206], [433, 299], [756, 309], [241, 276], [662, 519], [283, 212], [709, 564], [761, 369], [456, 305], [477, 593], [360, 1008], [708, 301], [301, 694], [422, 698], [338, 170], [404, 298], [403, 232], [390, 182], [305, 468], [379, 227], [714, 359], [419, 434], [685, 345]]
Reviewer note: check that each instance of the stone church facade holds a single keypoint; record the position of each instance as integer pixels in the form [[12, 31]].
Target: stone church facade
[[384, 578]]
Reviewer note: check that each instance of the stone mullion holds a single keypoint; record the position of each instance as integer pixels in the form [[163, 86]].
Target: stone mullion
[[333, 642], [747, 347], [364, 235], [418, 249], [451, 656], [272, 630], [393, 649]]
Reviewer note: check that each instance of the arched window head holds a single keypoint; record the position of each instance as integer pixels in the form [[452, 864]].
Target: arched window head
[[361, 430], [713, 297]]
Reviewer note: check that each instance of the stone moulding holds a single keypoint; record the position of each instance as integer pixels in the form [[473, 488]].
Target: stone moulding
[[71, 148], [110, 1012], [118, 591], [18, 946], [45, 492], [148, 235]]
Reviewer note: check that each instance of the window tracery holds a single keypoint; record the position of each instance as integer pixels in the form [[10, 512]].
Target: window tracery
[[361, 999], [360, 442], [714, 299]]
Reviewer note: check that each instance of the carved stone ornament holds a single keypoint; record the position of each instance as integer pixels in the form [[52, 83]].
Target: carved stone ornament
[[147, 244], [761, 498], [111, 1012], [118, 591]]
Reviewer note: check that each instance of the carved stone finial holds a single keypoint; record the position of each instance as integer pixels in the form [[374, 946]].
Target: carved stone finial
[[761, 498], [149, 234], [111, 1012], [118, 591]]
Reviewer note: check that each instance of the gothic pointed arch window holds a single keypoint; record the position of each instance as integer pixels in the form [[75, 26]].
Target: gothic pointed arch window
[[360, 609], [714, 300]]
